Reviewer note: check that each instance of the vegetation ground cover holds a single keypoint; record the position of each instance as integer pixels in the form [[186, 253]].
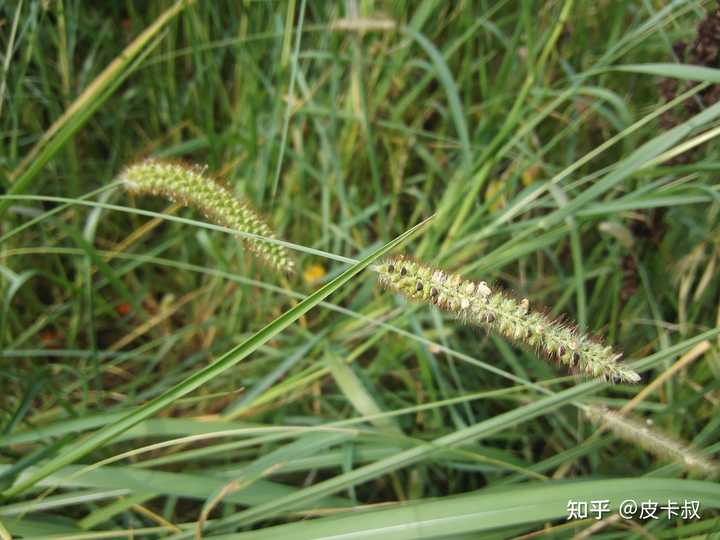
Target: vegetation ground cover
[[157, 380]]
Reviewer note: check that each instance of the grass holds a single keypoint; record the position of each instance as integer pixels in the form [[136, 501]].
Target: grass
[[156, 381]]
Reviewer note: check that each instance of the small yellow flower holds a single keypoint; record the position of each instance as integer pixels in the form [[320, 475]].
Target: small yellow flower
[[314, 273], [530, 174], [493, 192]]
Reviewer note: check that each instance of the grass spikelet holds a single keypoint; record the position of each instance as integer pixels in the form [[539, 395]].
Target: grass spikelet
[[652, 440], [189, 186], [478, 303]]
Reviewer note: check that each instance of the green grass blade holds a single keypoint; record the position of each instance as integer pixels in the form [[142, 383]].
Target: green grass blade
[[199, 485], [417, 454], [222, 364], [488, 509], [88, 102], [451, 91], [674, 71]]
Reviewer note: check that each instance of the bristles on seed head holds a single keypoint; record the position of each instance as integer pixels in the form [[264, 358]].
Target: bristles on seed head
[[190, 186], [501, 313], [654, 441]]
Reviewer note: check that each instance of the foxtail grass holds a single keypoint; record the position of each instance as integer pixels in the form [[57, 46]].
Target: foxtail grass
[[653, 440], [190, 186], [480, 304]]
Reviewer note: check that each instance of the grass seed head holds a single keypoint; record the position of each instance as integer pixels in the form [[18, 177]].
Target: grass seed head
[[478, 303], [190, 186], [653, 440]]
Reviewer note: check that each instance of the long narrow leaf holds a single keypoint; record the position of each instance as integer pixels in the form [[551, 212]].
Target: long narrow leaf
[[86, 104], [222, 364], [489, 509], [416, 454], [674, 71]]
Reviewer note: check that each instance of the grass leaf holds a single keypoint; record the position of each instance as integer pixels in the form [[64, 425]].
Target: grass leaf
[[222, 364]]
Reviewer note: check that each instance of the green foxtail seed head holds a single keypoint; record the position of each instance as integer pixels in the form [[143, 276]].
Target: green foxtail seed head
[[479, 303], [188, 185], [652, 440]]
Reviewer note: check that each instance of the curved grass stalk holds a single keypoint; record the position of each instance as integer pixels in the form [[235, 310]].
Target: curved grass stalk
[[188, 185]]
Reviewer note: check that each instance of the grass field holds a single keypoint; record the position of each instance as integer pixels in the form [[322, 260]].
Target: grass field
[[159, 381]]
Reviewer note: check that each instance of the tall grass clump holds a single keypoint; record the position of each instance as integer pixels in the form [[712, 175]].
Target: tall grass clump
[[548, 168]]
